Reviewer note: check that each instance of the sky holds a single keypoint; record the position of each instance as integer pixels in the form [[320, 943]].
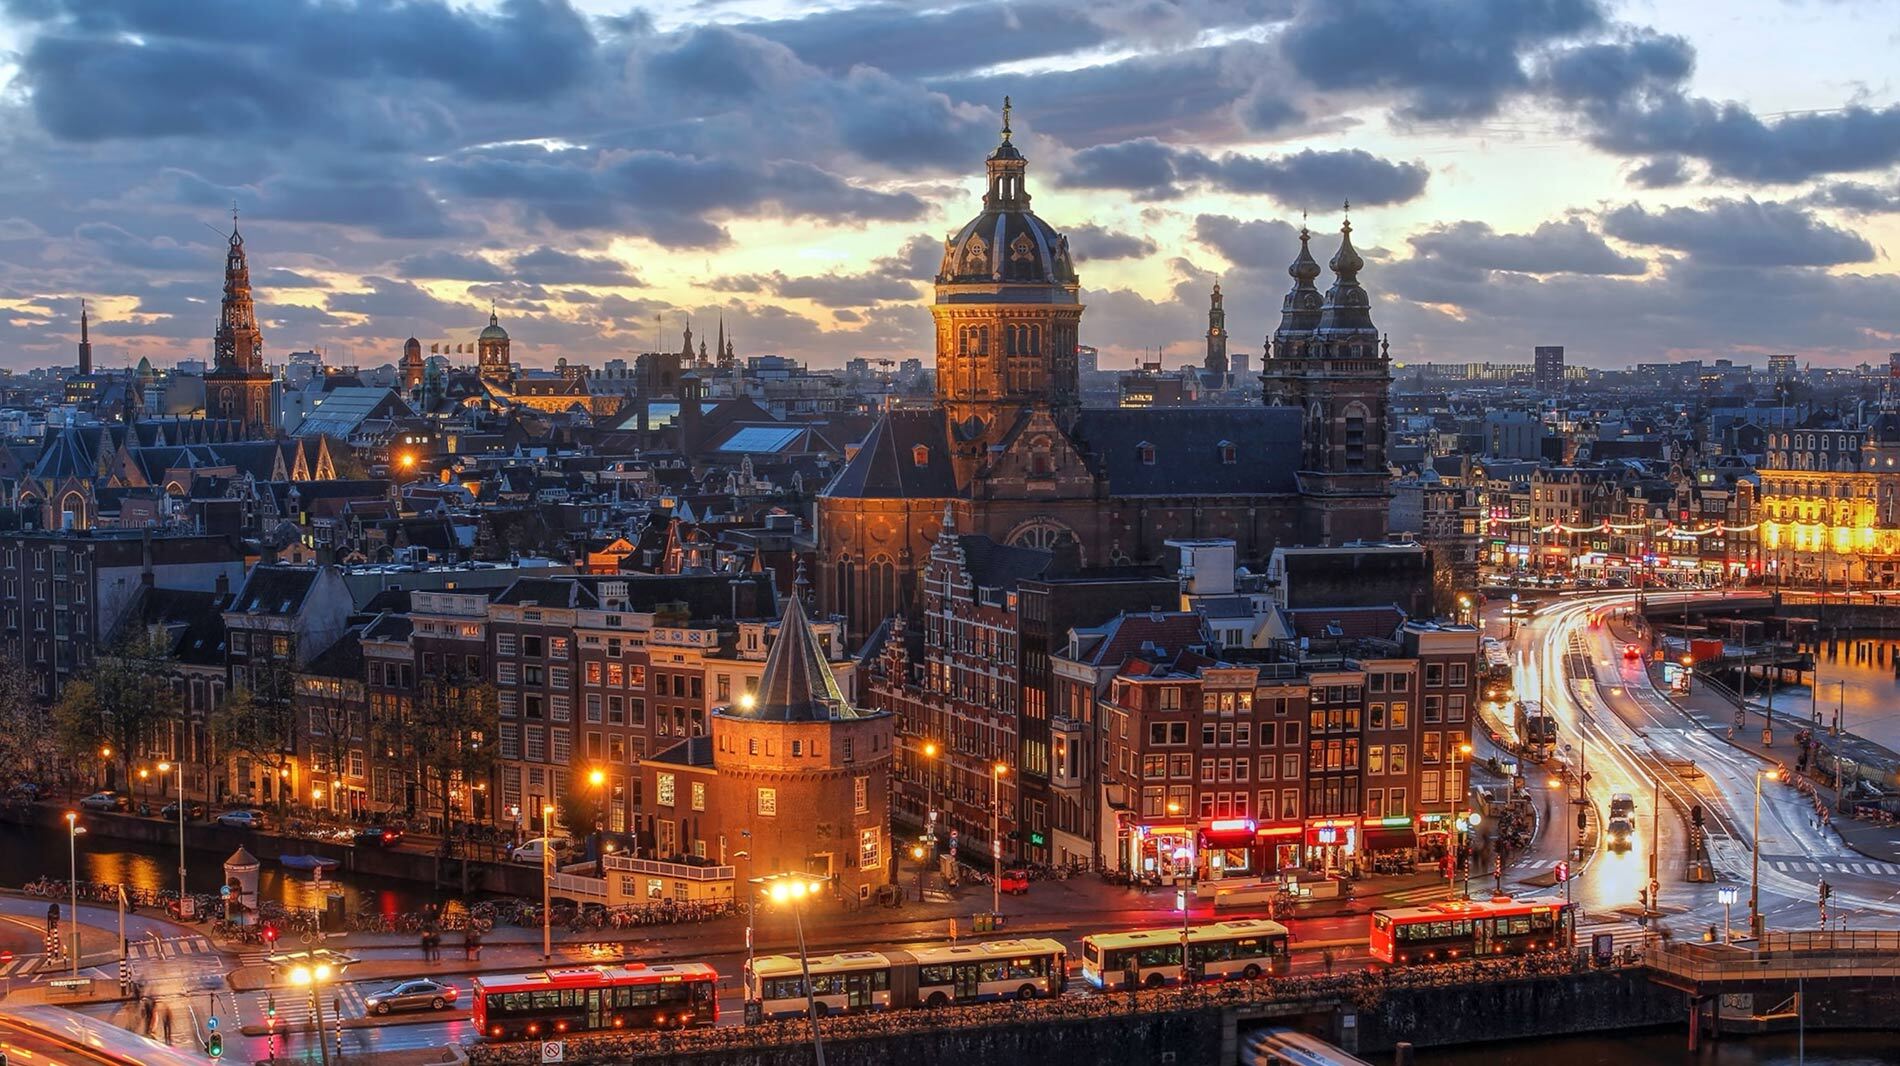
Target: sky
[[1636, 181]]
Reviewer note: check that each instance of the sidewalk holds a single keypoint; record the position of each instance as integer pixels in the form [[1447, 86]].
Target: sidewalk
[[1712, 710]]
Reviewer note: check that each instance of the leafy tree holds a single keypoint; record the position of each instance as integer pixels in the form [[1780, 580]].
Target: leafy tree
[[257, 719], [28, 743], [327, 707], [582, 805], [442, 738], [118, 707]]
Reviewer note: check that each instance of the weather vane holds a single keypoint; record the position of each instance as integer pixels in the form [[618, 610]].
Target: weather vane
[[1006, 118]]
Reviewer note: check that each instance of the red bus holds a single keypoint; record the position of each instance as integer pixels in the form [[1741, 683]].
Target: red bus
[[591, 999], [1472, 928]]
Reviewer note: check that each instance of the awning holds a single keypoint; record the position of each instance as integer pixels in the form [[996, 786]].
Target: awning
[[1382, 839], [1227, 838]]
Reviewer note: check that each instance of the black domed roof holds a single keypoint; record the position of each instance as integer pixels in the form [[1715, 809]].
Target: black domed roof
[[1007, 243]]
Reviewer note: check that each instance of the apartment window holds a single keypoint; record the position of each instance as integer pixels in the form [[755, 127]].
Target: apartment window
[[1434, 675], [1289, 804], [1266, 767], [1428, 747], [699, 795], [1243, 735], [861, 793], [869, 849], [848, 753], [1289, 767], [557, 647], [560, 746], [1399, 716], [1207, 806], [1375, 714], [1455, 675], [504, 643], [593, 708], [592, 672], [532, 647], [1375, 758], [616, 749], [505, 674], [1395, 803], [1375, 803], [1401, 682], [1455, 708], [1398, 758], [1428, 786], [768, 802], [559, 708], [592, 744], [1434, 709], [1290, 734], [536, 744], [664, 785], [533, 675], [510, 743], [1207, 771]]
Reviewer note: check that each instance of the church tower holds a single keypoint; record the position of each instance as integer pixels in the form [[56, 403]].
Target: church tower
[[1214, 369], [1328, 360], [238, 387], [412, 365], [1008, 310], [85, 342], [491, 353]]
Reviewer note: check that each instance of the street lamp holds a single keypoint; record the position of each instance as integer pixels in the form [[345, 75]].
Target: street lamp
[[313, 978], [1754, 848], [793, 889], [1727, 896], [598, 779], [1471, 820], [547, 884], [166, 767], [918, 853], [930, 772], [997, 770], [145, 778], [73, 829]]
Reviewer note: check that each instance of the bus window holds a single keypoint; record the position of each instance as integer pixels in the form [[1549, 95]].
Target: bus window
[[1381, 921]]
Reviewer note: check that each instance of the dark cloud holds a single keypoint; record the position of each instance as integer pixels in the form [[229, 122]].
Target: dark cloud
[[1253, 245], [1615, 70], [444, 265], [917, 260], [1855, 197], [1737, 144], [1446, 60], [1090, 241], [553, 266], [1567, 247], [670, 199], [1663, 172], [1746, 233], [279, 278], [1150, 168], [842, 38], [827, 290], [390, 300], [161, 253]]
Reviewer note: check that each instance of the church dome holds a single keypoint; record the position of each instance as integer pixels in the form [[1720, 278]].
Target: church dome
[[494, 332], [1007, 243]]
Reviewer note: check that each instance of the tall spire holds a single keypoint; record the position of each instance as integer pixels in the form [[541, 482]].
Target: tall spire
[[1347, 313], [720, 350], [239, 344], [1006, 166], [85, 341], [797, 684]]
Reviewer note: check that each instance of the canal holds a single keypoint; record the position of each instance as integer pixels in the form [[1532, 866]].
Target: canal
[[1858, 676], [25, 854]]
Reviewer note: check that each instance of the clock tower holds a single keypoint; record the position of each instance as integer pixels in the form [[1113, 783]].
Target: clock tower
[[238, 387]]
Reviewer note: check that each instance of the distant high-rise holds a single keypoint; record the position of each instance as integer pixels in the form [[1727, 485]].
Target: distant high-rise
[[1547, 367], [1781, 367]]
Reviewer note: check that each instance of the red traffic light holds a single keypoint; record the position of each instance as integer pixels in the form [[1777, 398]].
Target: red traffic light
[[270, 933]]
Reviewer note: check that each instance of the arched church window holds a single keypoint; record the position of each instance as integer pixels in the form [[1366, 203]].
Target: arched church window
[[1146, 453], [1229, 454], [920, 455]]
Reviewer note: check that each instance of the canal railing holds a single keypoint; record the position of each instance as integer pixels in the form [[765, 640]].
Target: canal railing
[[1778, 958]]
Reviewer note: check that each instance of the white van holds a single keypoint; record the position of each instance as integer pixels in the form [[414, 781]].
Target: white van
[[530, 851]]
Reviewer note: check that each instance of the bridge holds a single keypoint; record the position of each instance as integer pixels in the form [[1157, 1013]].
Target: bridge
[[1779, 963]]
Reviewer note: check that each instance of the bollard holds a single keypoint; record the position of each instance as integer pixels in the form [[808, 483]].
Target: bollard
[[1402, 1053]]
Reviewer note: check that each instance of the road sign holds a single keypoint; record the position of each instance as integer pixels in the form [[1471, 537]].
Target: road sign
[[553, 1051], [212, 1023]]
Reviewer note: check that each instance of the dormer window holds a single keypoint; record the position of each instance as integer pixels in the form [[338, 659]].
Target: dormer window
[[1229, 454], [920, 455], [1146, 453]]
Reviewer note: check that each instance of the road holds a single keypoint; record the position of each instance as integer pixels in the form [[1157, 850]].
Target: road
[[1629, 738]]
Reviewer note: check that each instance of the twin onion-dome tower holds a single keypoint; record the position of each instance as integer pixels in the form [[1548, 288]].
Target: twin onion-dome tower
[[1008, 452]]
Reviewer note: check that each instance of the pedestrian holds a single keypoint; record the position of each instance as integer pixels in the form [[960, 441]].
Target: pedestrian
[[424, 943], [146, 1009], [168, 1023], [1329, 958]]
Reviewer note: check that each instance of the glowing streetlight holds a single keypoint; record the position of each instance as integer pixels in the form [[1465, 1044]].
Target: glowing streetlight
[[73, 829], [997, 770], [547, 882], [794, 889], [313, 977], [1754, 848]]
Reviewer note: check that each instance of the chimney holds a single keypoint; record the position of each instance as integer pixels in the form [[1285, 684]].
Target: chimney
[[223, 585]]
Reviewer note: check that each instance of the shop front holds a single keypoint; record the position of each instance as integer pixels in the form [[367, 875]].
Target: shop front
[[1161, 852], [1280, 849], [1227, 849], [1389, 846], [1332, 844]]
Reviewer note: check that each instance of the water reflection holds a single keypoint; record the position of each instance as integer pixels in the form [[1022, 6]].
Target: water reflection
[[26, 854], [1670, 1048]]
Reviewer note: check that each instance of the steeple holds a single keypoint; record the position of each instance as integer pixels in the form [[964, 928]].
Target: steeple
[[797, 684], [1215, 364], [85, 342], [1346, 316], [1006, 167], [239, 344], [719, 351], [1299, 313]]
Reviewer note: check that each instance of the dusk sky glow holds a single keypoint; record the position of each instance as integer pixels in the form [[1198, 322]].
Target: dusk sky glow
[[1635, 181]]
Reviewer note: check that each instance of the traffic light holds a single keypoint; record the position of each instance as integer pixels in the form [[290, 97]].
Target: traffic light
[[1642, 897], [270, 933], [1827, 890], [1695, 816], [1583, 822], [214, 1045]]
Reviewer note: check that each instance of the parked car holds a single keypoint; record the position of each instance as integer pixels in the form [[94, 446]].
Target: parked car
[[193, 811], [1015, 881], [107, 800], [1632, 652], [242, 819], [420, 994], [24, 792], [530, 850], [378, 836]]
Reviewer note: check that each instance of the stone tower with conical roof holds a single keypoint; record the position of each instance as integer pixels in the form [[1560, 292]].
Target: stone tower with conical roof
[[1327, 359], [799, 768], [238, 387]]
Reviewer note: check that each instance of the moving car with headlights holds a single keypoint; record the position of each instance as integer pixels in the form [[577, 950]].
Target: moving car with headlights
[[1621, 834], [420, 994]]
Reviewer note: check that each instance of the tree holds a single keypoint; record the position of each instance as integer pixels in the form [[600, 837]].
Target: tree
[[443, 739], [328, 708], [28, 742], [257, 719], [117, 708]]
